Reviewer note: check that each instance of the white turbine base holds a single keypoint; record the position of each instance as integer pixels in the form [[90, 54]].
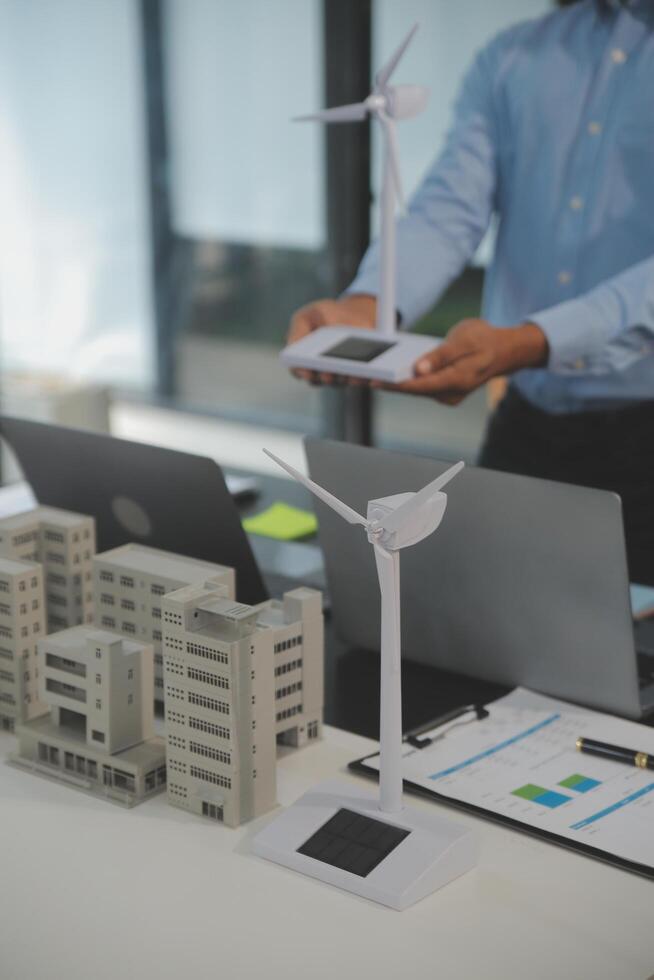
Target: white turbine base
[[436, 851], [393, 365]]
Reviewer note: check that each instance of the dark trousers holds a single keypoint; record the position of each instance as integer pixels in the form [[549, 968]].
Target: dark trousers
[[609, 450]]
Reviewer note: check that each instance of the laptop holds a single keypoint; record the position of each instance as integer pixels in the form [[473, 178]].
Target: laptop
[[524, 583], [160, 497]]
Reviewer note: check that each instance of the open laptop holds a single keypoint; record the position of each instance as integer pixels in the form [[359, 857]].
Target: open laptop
[[167, 499], [524, 583]]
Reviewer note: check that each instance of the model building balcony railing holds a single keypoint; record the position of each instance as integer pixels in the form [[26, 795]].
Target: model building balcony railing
[[65, 690], [68, 666]]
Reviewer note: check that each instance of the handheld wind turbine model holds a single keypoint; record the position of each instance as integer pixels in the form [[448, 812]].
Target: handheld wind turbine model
[[376, 847], [383, 354]]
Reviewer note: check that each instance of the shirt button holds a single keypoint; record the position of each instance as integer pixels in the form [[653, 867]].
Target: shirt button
[[618, 57], [594, 128], [576, 203], [564, 277]]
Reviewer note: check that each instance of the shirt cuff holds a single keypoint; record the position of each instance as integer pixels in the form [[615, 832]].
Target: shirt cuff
[[575, 334]]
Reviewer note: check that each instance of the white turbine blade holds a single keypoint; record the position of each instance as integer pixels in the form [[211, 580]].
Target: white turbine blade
[[342, 113], [393, 157], [397, 518], [383, 75], [342, 509], [390, 717]]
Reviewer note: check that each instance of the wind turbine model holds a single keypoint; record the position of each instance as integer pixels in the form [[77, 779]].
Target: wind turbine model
[[384, 355], [332, 832]]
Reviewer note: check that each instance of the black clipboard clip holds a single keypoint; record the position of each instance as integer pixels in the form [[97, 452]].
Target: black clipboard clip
[[420, 741]]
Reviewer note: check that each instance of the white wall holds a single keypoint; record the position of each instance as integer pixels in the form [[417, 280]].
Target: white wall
[[74, 240], [237, 71]]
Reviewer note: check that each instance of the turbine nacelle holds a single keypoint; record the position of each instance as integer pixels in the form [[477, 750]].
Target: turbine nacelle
[[419, 525]]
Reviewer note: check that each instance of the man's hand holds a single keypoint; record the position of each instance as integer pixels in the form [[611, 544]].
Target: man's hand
[[354, 311], [471, 354]]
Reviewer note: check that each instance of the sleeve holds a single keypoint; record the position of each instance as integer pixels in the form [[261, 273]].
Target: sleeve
[[451, 210], [605, 330]]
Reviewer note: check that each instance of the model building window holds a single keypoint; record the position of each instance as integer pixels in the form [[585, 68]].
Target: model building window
[[35, 603], [92, 769], [36, 628], [21, 586], [106, 576], [98, 652], [109, 622], [43, 752], [127, 604], [130, 674], [4, 586], [127, 581], [156, 612], [5, 609], [75, 537], [128, 628], [130, 699], [97, 736], [312, 729], [98, 703], [98, 678], [107, 599], [157, 589]]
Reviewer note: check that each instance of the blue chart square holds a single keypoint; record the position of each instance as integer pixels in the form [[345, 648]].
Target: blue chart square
[[585, 785], [552, 799]]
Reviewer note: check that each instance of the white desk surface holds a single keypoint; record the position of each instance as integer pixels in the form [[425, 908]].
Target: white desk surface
[[89, 891]]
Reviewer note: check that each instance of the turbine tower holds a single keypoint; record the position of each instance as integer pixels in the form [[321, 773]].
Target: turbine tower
[[392, 523]]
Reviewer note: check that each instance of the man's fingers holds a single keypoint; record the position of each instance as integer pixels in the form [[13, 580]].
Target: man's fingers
[[439, 358], [448, 378]]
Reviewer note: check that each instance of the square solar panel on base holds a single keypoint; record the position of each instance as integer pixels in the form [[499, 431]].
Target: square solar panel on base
[[337, 833], [358, 353]]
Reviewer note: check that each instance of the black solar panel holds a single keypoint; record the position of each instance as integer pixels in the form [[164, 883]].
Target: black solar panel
[[353, 842]]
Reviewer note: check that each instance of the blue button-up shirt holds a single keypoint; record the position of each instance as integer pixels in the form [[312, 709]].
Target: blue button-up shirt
[[554, 133]]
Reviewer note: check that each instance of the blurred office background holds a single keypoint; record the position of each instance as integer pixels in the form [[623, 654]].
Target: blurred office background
[[161, 218]]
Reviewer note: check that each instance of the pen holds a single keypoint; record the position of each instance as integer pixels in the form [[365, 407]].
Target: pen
[[630, 756]]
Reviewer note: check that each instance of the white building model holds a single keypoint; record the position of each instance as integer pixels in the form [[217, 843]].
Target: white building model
[[98, 735], [22, 625], [234, 680], [128, 586], [64, 544]]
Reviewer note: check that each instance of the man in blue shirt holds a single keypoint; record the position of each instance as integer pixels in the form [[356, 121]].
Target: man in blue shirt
[[553, 133]]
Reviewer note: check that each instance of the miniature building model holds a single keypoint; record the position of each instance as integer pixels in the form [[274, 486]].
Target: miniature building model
[[235, 678], [22, 625], [220, 715], [64, 543], [298, 647], [129, 583], [98, 735]]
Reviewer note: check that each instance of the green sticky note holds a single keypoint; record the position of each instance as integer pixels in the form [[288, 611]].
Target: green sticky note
[[283, 522]]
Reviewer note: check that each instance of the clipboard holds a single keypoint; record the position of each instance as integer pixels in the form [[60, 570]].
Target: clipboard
[[437, 730]]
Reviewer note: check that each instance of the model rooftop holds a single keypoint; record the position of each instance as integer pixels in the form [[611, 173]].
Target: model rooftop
[[160, 564], [77, 638], [14, 566]]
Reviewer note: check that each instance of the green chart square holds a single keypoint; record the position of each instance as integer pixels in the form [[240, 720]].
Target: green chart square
[[529, 792], [573, 781]]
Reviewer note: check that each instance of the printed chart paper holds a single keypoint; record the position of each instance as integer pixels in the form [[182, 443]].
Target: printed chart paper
[[522, 763]]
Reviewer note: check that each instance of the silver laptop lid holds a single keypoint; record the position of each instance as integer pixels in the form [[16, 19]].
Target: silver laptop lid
[[525, 582]]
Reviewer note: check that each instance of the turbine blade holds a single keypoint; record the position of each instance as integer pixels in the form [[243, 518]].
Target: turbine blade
[[397, 518], [393, 157], [342, 509], [384, 73], [342, 113]]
